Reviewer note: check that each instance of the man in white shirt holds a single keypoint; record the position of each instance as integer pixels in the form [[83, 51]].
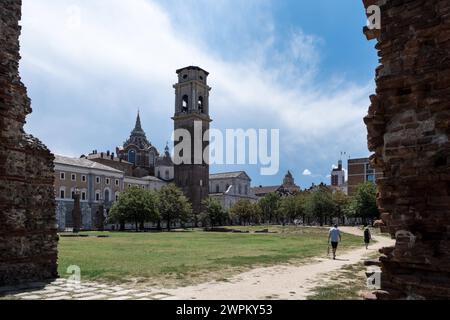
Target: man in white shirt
[[334, 236]]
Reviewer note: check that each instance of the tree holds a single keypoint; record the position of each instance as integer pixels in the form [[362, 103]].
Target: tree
[[173, 205], [269, 205], [214, 214], [320, 204], [245, 211], [137, 206], [364, 203], [341, 202], [291, 208]]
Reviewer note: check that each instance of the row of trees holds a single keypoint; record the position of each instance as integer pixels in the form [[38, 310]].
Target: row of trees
[[170, 206], [317, 206], [139, 206]]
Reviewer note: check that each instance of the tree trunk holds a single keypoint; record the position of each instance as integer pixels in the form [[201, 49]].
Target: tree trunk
[[122, 226], [168, 224]]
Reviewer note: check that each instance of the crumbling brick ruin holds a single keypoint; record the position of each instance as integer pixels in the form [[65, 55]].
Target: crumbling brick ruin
[[28, 238], [409, 127]]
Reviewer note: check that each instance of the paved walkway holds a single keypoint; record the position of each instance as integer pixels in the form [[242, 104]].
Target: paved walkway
[[277, 282], [62, 289]]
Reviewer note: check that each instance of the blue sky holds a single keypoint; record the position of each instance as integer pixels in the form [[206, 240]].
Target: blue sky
[[303, 67]]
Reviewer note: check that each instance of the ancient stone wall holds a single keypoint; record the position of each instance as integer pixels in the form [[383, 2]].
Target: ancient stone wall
[[28, 238], [408, 129]]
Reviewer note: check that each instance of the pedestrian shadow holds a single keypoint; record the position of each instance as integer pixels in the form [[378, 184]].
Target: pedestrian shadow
[[337, 259]]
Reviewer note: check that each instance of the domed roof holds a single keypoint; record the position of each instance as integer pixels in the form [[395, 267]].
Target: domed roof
[[138, 137]]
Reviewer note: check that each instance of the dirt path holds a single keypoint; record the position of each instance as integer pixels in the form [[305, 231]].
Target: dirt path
[[278, 282]]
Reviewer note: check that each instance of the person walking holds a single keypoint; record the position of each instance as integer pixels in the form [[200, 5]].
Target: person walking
[[367, 236], [334, 237]]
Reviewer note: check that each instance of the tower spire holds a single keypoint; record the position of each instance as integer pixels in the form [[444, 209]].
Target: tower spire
[[138, 127]]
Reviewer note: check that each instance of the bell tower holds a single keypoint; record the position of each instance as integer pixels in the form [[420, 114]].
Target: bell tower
[[192, 115]]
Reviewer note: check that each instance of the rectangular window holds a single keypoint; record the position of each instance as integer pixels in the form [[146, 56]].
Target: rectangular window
[[97, 179], [62, 176], [117, 182], [83, 178], [62, 194], [74, 177], [83, 195], [107, 181], [97, 197]]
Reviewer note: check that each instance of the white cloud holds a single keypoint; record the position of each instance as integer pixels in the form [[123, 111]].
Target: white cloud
[[307, 172], [119, 47]]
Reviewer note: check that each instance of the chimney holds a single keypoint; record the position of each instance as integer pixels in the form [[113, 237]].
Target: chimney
[[107, 153]]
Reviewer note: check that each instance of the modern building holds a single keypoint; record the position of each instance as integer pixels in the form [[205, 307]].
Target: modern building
[[360, 171], [287, 188], [230, 187], [338, 181]]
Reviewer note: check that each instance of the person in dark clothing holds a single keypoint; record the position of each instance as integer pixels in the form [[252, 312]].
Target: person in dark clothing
[[367, 236]]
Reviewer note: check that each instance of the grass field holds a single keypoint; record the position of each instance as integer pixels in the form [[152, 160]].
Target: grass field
[[182, 258]]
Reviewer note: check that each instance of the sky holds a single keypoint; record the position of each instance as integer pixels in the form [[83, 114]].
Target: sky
[[303, 67]]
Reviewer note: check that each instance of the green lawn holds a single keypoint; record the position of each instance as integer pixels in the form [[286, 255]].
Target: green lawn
[[187, 257]]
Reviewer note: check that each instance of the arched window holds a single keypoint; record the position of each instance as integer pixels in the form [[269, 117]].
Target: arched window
[[200, 105], [132, 156], [106, 195], [185, 104], [217, 189], [151, 159]]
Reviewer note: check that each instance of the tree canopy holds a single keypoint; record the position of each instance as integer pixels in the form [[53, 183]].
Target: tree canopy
[[214, 214], [174, 206], [137, 206]]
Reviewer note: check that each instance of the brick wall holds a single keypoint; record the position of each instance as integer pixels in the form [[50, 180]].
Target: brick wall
[[28, 239], [409, 127]]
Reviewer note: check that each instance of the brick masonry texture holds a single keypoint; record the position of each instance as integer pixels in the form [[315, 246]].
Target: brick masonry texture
[[408, 130], [28, 238]]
